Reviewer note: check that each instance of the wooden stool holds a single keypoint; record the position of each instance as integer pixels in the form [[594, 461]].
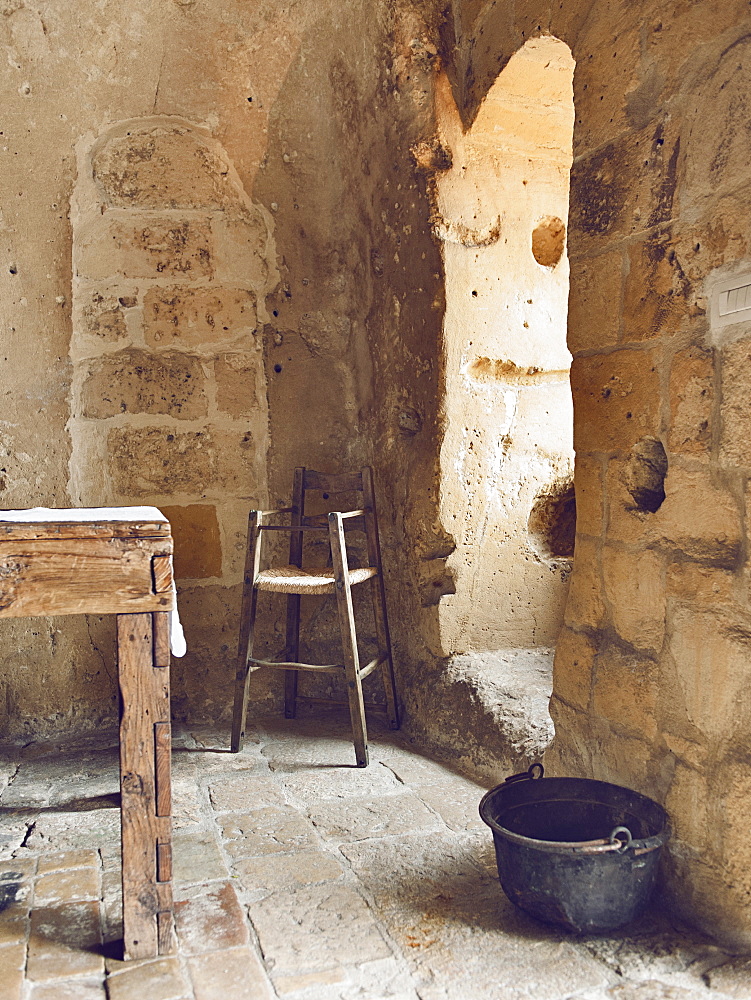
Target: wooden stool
[[295, 581], [100, 561]]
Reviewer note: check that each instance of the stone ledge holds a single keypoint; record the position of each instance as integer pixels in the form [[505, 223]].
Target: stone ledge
[[489, 711]]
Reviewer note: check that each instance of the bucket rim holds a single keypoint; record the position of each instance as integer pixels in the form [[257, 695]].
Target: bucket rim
[[643, 845]]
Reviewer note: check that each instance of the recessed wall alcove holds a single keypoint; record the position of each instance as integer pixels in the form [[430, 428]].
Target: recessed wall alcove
[[507, 451]]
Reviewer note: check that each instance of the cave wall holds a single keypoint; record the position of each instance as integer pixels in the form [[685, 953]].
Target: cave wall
[[508, 442]]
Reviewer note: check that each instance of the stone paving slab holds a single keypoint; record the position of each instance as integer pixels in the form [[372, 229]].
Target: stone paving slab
[[209, 918], [67, 886], [384, 979], [245, 792], [456, 803], [11, 984], [65, 940], [287, 871], [269, 830], [308, 784], [65, 860], [187, 805], [344, 820], [54, 831], [651, 989], [196, 857], [15, 906], [315, 928], [74, 989], [417, 870], [233, 974], [412, 768], [161, 979]]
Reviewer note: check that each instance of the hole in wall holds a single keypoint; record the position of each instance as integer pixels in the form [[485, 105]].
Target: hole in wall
[[552, 521], [646, 470], [549, 241]]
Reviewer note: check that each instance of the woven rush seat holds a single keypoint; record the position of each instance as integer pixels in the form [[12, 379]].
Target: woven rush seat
[[294, 580]]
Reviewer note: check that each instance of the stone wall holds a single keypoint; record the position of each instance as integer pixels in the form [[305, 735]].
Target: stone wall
[[201, 209], [652, 669], [172, 262]]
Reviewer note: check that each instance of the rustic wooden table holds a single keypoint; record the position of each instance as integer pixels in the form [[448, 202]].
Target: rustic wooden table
[[84, 561]]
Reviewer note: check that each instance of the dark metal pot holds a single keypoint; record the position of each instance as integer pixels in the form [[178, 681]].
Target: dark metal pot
[[575, 852]]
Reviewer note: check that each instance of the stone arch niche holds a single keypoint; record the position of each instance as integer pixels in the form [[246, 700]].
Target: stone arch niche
[[171, 265], [507, 453]]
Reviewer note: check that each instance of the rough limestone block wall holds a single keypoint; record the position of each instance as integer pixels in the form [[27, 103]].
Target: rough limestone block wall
[[653, 668], [172, 262]]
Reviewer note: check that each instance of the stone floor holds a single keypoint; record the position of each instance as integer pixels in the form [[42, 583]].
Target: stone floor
[[300, 877]]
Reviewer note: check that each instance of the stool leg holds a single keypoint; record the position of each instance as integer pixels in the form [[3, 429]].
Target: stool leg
[[349, 639], [247, 627], [293, 601], [384, 644], [145, 749], [293, 650], [378, 594]]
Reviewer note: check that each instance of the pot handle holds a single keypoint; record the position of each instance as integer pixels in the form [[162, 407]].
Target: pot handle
[[625, 840], [534, 772]]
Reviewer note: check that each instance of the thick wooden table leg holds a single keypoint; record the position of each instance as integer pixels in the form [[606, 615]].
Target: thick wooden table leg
[[145, 749]]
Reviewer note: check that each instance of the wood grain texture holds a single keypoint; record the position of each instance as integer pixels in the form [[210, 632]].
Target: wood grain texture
[[378, 593], [247, 625], [165, 932], [164, 862], [161, 573], [65, 576], [145, 704], [349, 638], [83, 529], [162, 649], [163, 757], [292, 641]]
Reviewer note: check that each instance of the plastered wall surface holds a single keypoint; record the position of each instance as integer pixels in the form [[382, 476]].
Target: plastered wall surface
[[272, 182]]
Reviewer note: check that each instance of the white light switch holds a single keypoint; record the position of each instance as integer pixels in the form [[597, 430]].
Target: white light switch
[[731, 301]]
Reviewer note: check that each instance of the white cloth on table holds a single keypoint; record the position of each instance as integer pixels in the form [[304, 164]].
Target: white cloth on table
[[68, 514]]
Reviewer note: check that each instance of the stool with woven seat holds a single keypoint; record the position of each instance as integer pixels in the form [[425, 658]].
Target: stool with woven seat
[[295, 581]]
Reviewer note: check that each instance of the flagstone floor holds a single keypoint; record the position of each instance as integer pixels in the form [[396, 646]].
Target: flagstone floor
[[300, 877]]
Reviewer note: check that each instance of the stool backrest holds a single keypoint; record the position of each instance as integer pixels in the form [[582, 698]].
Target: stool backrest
[[329, 484], [326, 483]]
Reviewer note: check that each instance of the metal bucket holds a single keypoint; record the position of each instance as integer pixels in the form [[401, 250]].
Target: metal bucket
[[575, 852]]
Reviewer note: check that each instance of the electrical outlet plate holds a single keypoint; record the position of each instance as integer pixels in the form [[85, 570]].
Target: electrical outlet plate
[[731, 301]]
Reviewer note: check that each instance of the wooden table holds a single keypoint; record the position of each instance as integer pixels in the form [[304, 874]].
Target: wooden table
[[121, 567]]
